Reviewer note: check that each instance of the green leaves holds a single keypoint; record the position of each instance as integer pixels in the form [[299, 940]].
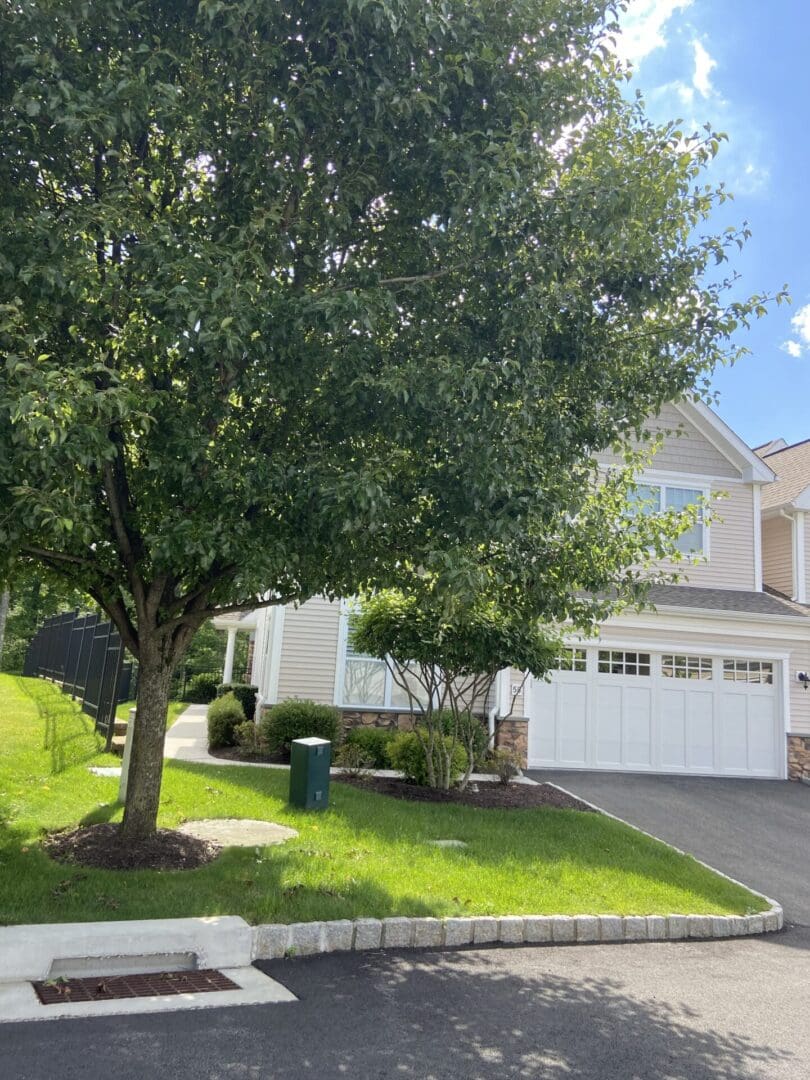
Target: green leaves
[[300, 297]]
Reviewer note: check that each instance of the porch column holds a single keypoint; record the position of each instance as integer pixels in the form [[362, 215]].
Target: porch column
[[227, 674]]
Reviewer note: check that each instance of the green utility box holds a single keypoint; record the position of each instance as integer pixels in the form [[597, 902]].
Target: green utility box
[[309, 773]]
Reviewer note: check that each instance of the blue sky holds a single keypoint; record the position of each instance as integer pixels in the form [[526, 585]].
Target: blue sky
[[744, 65]]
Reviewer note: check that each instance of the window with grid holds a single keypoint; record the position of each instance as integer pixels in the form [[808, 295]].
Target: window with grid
[[367, 681], [686, 667], [572, 660], [617, 662], [653, 498], [748, 671]]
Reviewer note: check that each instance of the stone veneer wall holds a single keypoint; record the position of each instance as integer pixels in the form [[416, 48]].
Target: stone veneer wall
[[798, 757], [513, 734], [400, 721]]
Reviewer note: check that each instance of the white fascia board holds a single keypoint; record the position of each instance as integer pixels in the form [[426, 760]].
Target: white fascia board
[[715, 622], [709, 424]]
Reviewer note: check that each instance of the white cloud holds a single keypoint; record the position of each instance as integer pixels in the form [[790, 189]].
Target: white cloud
[[643, 27], [792, 348], [701, 79], [801, 323]]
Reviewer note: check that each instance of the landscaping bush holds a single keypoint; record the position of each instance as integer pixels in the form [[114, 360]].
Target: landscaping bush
[[249, 739], [224, 716], [202, 688], [244, 693], [504, 762], [353, 759], [406, 753], [467, 723], [299, 720], [374, 743]]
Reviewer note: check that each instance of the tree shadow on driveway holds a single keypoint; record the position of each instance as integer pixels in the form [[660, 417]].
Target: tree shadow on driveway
[[471, 1015]]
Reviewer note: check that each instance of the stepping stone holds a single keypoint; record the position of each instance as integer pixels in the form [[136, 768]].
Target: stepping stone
[[238, 832], [105, 770], [447, 843]]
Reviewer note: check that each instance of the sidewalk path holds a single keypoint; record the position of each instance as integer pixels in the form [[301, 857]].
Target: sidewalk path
[[187, 740]]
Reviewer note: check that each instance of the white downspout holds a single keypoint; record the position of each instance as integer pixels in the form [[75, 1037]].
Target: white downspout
[[493, 712]]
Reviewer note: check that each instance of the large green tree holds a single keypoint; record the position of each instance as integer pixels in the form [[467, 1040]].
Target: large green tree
[[295, 293]]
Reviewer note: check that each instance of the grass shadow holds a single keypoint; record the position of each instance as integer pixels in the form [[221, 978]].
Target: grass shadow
[[69, 734], [498, 839]]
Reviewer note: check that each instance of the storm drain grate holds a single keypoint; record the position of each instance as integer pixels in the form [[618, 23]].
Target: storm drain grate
[[116, 987]]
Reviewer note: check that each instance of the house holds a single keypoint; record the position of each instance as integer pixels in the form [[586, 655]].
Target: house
[[704, 683]]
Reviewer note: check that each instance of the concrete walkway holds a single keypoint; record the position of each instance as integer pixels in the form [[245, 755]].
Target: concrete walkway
[[757, 831]]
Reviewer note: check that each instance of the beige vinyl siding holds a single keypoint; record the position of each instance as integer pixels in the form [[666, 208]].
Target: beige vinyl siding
[[309, 651], [777, 554], [730, 564], [684, 449]]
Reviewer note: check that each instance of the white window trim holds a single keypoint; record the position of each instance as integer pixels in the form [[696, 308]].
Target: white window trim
[[683, 480], [340, 672]]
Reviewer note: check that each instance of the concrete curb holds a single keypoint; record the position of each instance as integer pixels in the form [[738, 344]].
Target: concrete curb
[[275, 940]]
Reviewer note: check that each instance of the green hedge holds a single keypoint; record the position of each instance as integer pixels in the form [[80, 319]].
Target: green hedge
[[224, 716], [201, 688], [406, 753], [295, 719], [374, 743], [244, 693]]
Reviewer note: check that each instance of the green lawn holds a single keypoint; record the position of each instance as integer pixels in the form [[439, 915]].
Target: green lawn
[[366, 855], [175, 708]]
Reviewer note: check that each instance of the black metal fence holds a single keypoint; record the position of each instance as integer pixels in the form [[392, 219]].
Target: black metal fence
[[86, 658]]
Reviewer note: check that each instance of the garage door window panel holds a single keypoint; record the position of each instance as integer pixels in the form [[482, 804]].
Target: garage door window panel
[[617, 662], [572, 660], [756, 672], [675, 666]]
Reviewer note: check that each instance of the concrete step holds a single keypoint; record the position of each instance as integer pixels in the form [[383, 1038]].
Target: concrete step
[[117, 745], [120, 727]]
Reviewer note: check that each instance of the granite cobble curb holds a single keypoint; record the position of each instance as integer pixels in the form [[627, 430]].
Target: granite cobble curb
[[275, 940]]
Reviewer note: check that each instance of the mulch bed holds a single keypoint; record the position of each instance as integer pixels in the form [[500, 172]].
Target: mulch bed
[[100, 846], [118, 987], [486, 795]]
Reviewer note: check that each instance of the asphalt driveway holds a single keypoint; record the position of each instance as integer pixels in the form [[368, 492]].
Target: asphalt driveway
[[708, 1010], [757, 831]]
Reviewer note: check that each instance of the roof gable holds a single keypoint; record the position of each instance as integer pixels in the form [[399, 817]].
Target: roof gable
[[791, 465]]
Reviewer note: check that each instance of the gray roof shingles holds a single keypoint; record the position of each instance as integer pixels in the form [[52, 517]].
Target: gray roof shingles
[[792, 468], [753, 603]]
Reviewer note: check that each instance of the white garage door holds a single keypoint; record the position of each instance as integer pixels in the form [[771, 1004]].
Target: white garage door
[[695, 713]]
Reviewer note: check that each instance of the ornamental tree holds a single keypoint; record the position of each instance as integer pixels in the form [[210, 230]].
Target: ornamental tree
[[446, 662], [295, 295]]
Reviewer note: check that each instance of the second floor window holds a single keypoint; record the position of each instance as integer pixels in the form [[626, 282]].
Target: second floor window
[[654, 498]]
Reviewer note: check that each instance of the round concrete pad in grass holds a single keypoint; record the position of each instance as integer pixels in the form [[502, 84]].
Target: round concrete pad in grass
[[238, 832]]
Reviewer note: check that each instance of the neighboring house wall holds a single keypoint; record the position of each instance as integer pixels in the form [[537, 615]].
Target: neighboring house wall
[[777, 554], [309, 651]]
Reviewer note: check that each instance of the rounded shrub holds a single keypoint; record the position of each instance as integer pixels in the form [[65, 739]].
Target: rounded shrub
[[201, 688], [295, 719], [244, 693], [406, 753], [374, 743], [224, 716]]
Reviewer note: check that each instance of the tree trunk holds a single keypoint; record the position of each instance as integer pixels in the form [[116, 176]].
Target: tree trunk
[[148, 737], [5, 600]]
